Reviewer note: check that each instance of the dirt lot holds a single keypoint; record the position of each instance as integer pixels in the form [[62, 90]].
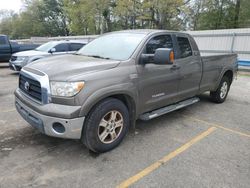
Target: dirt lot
[[204, 145]]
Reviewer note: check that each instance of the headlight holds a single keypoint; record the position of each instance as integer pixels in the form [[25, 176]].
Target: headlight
[[20, 58], [66, 89]]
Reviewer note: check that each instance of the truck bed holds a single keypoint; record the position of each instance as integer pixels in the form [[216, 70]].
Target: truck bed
[[212, 68]]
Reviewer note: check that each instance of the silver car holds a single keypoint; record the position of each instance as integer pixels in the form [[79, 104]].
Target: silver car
[[20, 59]]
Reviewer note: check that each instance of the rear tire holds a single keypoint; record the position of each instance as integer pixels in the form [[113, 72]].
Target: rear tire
[[220, 95], [106, 125]]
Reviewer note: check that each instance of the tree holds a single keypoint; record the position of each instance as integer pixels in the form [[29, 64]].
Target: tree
[[244, 14], [84, 17], [50, 14], [237, 14], [39, 18], [6, 21], [219, 14]]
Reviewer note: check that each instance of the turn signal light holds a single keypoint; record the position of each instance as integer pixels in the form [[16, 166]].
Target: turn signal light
[[171, 56]]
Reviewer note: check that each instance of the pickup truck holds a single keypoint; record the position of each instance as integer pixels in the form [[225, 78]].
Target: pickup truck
[[20, 59], [8, 47], [96, 94]]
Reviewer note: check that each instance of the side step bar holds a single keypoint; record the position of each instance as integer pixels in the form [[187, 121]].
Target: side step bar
[[167, 109]]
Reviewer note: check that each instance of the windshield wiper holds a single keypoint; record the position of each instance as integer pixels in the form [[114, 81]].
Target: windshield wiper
[[97, 56]]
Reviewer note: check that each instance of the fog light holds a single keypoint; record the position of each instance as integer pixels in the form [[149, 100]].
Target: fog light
[[58, 127]]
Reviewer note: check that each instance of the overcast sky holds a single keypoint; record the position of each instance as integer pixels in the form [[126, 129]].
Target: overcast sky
[[15, 5]]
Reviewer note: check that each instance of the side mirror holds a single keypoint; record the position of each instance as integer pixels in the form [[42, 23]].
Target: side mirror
[[52, 50], [164, 56]]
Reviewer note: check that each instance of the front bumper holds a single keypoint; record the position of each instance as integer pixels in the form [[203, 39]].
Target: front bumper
[[70, 128], [15, 67]]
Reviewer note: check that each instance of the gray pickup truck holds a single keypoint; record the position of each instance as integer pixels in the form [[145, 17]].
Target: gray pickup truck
[[96, 94]]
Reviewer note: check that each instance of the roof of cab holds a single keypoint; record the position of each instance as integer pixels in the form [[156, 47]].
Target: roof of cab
[[68, 41], [146, 31]]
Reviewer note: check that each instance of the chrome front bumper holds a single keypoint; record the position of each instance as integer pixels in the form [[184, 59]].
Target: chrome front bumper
[[72, 128], [15, 67]]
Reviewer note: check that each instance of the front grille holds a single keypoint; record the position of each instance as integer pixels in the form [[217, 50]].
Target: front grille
[[33, 87], [13, 58]]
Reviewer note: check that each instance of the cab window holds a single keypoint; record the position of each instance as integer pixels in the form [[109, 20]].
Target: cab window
[[161, 41], [75, 46], [62, 47], [184, 46], [2, 40]]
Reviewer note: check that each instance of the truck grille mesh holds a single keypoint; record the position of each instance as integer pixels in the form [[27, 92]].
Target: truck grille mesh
[[31, 87]]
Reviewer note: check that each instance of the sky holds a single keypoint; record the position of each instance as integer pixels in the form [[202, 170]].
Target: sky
[[15, 5]]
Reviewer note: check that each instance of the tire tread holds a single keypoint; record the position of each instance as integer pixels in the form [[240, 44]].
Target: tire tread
[[91, 120]]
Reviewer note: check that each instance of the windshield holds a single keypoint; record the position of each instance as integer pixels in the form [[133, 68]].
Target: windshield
[[117, 46], [46, 47]]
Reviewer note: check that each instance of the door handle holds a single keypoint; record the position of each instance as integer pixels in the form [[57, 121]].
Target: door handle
[[175, 67]]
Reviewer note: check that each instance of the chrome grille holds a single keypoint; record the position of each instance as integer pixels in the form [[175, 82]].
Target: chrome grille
[[31, 87]]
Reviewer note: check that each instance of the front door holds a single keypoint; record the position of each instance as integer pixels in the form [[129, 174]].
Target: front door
[[61, 49], [158, 84]]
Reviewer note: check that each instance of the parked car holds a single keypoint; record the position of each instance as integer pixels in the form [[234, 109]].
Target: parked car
[[20, 59], [8, 47], [97, 93]]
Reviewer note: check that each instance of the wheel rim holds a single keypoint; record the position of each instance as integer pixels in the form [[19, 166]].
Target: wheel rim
[[223, 90], [110, 127]]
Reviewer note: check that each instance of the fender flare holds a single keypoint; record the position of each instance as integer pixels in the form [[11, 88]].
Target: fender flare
[[126, 89], [221, 76]]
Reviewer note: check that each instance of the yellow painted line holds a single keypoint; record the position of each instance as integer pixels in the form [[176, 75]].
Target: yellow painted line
[[218, 126], [9, 110], [165, 159]]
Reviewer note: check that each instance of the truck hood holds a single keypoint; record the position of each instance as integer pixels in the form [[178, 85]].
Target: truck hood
[[68, 67], [29, 53]]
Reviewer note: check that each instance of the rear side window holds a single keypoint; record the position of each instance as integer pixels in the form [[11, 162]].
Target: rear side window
[[2, 40], [76, 46], [62, 47], [161, 41], [185, 47]]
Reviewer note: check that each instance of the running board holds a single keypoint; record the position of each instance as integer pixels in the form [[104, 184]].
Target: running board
[[167, 109]]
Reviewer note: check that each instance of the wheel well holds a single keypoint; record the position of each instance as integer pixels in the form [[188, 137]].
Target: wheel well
[[229, 75], [127, 101], [130, 104]]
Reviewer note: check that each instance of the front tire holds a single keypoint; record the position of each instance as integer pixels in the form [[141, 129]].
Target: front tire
[[106, 125], [220, 95]]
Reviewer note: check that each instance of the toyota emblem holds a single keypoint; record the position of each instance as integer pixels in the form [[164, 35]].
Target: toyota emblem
[[27, 86]]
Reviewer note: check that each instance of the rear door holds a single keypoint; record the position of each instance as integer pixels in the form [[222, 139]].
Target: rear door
[[158, 84], [190, 66], [74, 47], [5, 49]]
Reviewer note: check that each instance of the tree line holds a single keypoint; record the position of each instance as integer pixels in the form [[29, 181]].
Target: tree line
[[85, 17]]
